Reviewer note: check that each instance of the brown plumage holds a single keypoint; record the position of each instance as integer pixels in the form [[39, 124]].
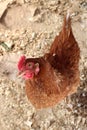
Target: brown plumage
[[58, 73]]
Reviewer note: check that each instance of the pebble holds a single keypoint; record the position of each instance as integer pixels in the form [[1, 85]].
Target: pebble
[[22, 43], [34, 10], [79, 105], [28, 123], [83, 94], [70, 106], [75, 111], [53, 2], [33, 35], [9, 44]]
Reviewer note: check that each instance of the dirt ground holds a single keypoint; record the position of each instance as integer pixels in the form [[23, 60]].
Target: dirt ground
[[29, 27]]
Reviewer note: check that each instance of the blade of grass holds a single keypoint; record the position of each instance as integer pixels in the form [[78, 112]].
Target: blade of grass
[[5, 46]]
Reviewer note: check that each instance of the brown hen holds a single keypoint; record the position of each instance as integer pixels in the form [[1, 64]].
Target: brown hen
[[51, 78]]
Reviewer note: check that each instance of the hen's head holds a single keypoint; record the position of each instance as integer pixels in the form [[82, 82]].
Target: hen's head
[[27, 68]]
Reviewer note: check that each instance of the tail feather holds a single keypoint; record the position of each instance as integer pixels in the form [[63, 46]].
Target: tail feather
[[66, 30], [67, 21], [64, 51], [63, 36]]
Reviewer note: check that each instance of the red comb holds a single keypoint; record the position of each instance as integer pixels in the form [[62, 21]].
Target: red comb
[[21, 62]]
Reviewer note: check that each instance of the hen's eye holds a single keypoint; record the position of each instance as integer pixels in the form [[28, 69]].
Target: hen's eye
[[30, 65]]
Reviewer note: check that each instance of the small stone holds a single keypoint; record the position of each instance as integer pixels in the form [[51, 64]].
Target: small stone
[[70, 106], [75, 111], [28, 123], [22, 43], [79, 105], [33, 35], [34, 10], [83, 94], [9, 44]]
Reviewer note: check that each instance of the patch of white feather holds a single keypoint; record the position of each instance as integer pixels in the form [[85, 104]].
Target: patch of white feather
[[54, 54], [68, 15]]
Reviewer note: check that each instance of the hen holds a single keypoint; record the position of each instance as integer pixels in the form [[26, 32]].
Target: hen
[[50, 78]]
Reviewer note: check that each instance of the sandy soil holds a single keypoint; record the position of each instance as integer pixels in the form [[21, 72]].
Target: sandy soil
[[29, 27]]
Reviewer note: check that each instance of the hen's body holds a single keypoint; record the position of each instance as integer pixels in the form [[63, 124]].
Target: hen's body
[[59, 72]]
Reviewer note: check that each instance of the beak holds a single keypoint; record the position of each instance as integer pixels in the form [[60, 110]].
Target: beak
[[20, 74]]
